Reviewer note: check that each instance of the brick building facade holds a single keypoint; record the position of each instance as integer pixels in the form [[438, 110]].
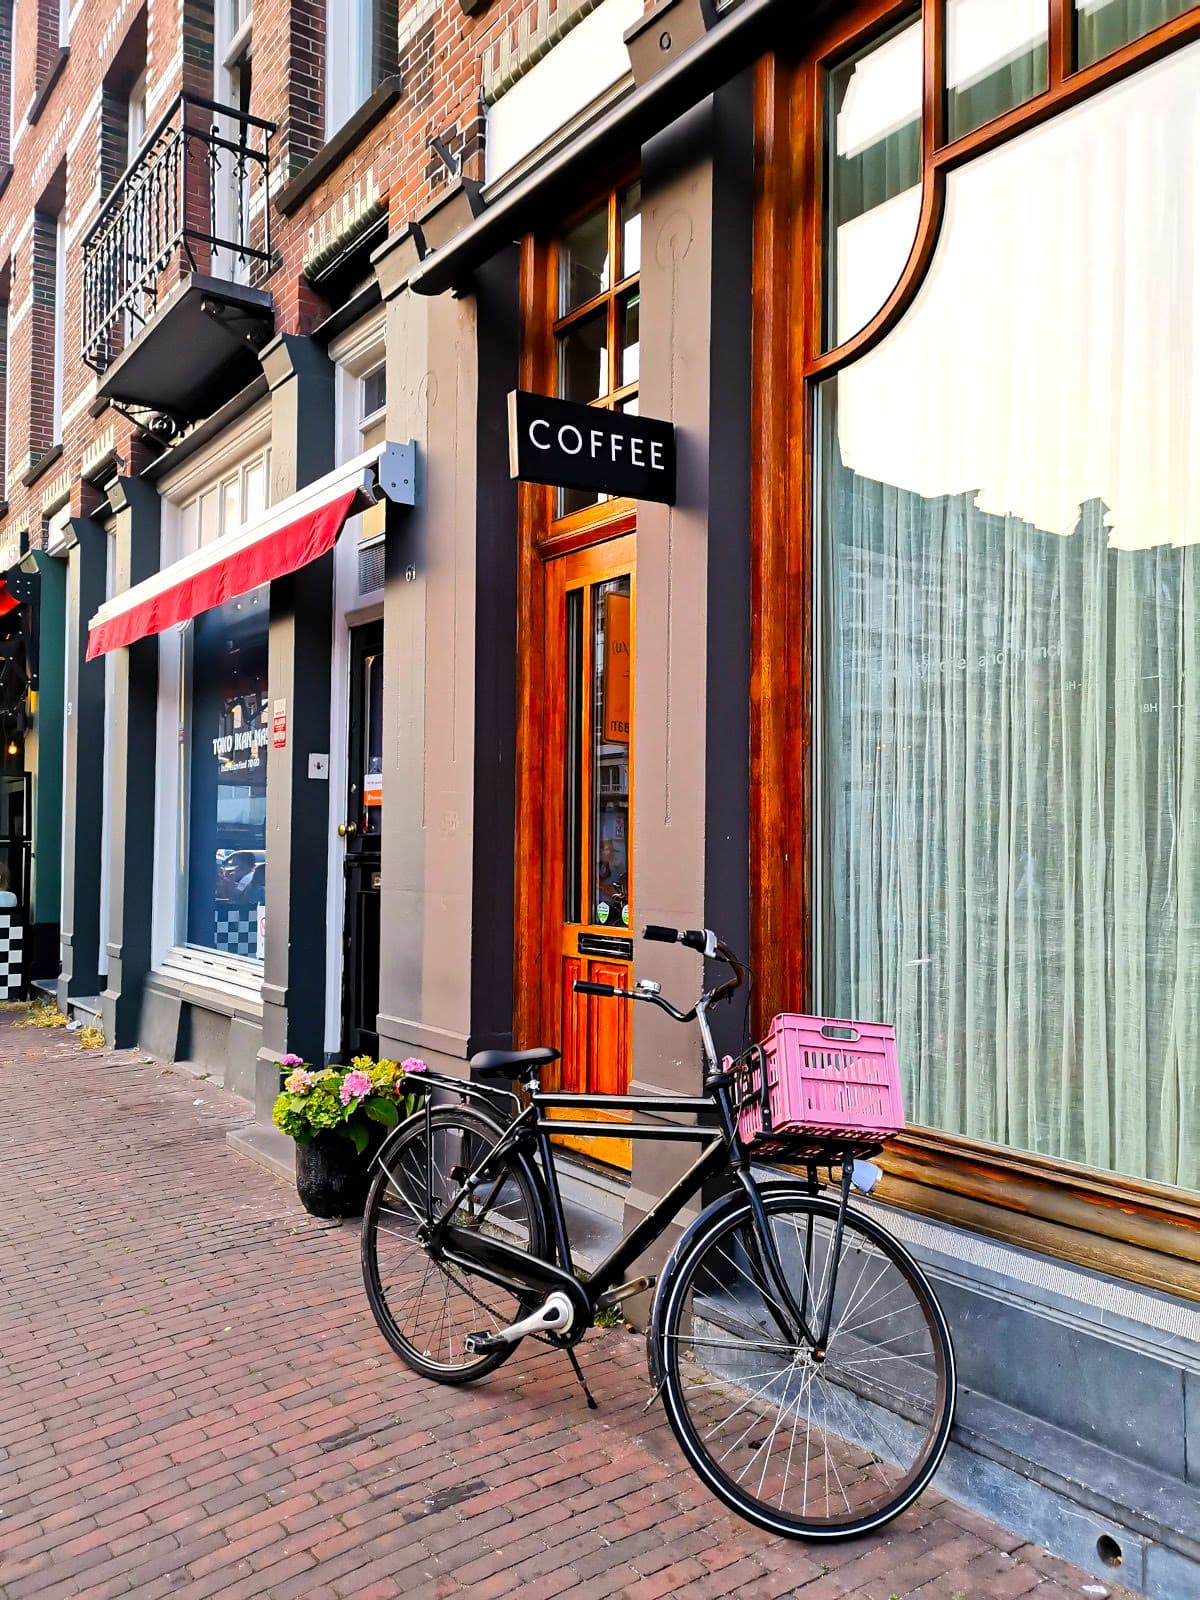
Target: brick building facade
[[895, 691]]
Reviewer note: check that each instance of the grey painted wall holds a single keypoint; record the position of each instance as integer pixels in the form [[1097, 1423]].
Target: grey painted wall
[[136, 526]]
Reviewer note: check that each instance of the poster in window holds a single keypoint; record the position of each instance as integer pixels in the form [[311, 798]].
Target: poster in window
[[616, 668]]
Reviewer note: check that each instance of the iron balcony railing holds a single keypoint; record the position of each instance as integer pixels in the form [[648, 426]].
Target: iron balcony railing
[[194, 199]]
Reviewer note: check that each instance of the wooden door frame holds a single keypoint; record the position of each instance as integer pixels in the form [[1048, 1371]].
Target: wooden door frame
[[541, 539]]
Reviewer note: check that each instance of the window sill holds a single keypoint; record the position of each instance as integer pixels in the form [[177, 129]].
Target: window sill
[[219, 983], [41, 465], [334, 151], [1145, 1232], [38, 104]]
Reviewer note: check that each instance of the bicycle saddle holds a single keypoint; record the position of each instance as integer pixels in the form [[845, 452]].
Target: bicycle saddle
[[508, 1063]]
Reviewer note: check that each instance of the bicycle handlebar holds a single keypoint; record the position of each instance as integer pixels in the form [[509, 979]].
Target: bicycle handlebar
[[700, 939]]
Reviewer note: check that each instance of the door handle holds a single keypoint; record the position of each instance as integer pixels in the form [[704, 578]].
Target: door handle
[[347, 830]]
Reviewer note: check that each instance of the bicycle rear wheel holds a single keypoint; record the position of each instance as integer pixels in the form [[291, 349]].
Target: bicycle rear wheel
[[424, 1307], [809, 1447]]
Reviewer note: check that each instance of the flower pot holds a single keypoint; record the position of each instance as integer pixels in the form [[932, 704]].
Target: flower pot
[[331, 1177]]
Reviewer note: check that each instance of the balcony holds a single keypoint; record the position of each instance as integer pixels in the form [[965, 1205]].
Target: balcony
[[171, 318]]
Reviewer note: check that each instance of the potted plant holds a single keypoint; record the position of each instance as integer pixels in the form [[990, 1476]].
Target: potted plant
[[338, 1117]]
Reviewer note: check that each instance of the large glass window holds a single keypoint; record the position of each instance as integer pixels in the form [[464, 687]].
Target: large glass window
[[1008, 700], [224, 719], [225, 736]]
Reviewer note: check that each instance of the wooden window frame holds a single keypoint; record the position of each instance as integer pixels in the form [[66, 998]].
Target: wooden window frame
[[1142, 1231], [544, 535]]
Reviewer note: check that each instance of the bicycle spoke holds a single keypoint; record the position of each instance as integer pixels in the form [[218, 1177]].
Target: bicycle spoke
[[806, 1439]]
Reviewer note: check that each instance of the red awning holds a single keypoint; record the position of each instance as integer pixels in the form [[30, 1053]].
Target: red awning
[[218, 572]]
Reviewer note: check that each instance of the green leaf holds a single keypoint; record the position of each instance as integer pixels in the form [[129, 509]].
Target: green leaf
[[357, 1133], [381, 1110]]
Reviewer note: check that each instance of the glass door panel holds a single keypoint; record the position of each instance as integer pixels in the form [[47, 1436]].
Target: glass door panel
[[592, 636]]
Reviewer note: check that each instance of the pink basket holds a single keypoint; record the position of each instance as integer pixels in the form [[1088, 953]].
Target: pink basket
[[825, 1077]]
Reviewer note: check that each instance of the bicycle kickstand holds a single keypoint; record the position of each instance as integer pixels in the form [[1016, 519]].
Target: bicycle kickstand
[[592, 1406]]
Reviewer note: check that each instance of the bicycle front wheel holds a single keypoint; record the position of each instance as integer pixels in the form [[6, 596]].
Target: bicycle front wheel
[[811, 1445], [425, 1308]]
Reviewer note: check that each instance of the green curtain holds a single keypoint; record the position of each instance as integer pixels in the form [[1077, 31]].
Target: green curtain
[[1011, 802]]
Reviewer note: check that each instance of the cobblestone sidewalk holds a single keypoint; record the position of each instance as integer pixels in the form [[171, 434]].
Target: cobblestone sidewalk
[[194, 1401]]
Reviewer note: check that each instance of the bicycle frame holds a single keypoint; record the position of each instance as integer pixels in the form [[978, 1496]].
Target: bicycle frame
[[515, 1270]]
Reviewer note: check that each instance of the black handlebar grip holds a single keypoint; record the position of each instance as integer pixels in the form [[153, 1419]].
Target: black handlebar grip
[[695, 939], [652, 930], [581, 987]]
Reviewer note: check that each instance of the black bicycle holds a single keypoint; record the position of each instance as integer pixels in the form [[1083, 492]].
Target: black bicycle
[[801, 1354]]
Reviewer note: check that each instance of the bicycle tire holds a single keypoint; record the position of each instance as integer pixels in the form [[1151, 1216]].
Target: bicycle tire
[[397, 1268], [867, 1391]]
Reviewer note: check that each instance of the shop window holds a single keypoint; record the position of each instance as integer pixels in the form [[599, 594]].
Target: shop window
[[1008, 696], [224, 736], [873, 177], [596, 334], [995, 59], [1103, 26]]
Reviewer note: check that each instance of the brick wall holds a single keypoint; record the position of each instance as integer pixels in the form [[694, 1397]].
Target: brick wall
[[78, 141]]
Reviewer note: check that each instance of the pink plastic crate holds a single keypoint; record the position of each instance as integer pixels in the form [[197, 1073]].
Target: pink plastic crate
[[827, 1077]]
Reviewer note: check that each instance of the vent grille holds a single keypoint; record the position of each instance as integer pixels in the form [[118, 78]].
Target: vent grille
[[370, 568]]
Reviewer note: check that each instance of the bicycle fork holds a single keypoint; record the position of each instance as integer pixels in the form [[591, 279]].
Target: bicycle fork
[[771, 1279]]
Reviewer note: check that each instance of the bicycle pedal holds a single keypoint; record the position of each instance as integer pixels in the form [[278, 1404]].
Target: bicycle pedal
[[481, 1344], [625, 1291]]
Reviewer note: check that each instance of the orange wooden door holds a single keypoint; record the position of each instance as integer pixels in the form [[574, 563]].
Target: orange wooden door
[[589, 889]]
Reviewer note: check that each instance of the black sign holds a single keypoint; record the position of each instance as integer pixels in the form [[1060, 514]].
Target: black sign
[[579, 447]]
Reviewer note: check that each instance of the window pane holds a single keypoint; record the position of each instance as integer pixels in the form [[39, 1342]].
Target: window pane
[[583, 359], [372, 791], [224, 736], [631, 231], [627, 355], [583, 266], [255, 490], [573, 759], [874, 179], [1105, 25], [231, 504], [1009, 793], [995, 58], [374, 392], [611, 716]]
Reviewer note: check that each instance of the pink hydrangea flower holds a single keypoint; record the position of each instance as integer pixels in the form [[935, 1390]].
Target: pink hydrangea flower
[[299, 1081], [413, 1064], [291, 1061], [354, 1086]]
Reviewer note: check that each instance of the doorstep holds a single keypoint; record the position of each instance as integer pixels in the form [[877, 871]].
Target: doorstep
[[266, 1146], [594, 1205]]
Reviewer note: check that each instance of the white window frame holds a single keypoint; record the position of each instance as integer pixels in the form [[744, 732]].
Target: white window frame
[[349, 50], [235, 981], [136, 119]]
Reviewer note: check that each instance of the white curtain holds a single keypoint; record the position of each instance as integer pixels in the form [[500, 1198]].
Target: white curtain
[[1010, 667]]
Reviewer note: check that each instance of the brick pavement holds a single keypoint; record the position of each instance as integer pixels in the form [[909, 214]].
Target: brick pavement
[[194, 1401]]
